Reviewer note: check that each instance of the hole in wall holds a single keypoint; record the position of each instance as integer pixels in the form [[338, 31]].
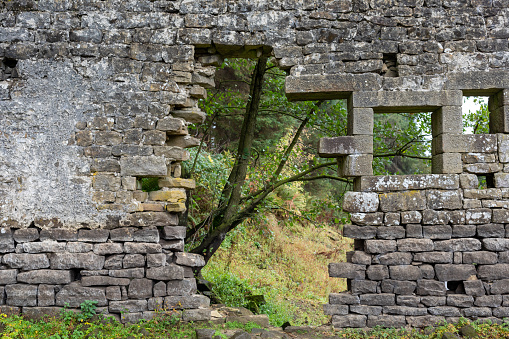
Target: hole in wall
[[475, 114], [8, 69], [147, 184], [455, 287], [390, 66], [486, 181]]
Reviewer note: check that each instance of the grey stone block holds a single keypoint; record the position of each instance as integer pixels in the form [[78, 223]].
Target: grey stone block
[[495, 244], [186, 302], [364, 286], [26, 261], [403, 201], [425, 321], [59, 234], [469, 181], [108, 248], [437, 232], [366, 310], [360, 257], [351, 320], [463, 231], [46, 295], [434, 257], [477, 312], [329, 309], [377, 272], [500, 286], [345, 145], [104, 281], [382, 299], [146, 235], [78, 247], [431, 287], [390, 183], [26, 235], [133, 260], [446, 163], [355, 165], [156, 260], [8, 277], [45, 277], [367, 219], [360, 121], [344, 299], [414, 231], [405, 272], [122, 234], [446, 311], [142, 248], [408, 300], [113, 293], [432, 301], [480, 257], [454, 272], [387, 321], [475, 288], [396, 258], [380, 246], [99, 235], [189, 259], [391, 232], [458, 245], [138, 272], [129, 306], [398, 286], [447, 120], [411, 217], [169, 272], [493, 272], [488, 301], [360, 202], [47, 246], [65, 261], [347, 270], [359, 232], [392, 219], [405, 310], [442, 199], [144, 166], [21, 295], [174, 232], [432, 217], [415, 245], [140, 288]]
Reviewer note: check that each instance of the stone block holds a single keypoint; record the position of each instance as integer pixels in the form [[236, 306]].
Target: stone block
[[430, 287], [143, 166], [360, 202], [140, 288], [415, 245], [391, 232], [329, 309], [355, 165], [360, 257], [26, 235], [104, 281], [8, 277], [405, 310], [403, 201], [491, 231], [493, 272], [398, 287], [146, 235], [170, 182], [396, 258], [45, 277], [345, 145], [406, 101], [21, 295], [469, 181], [387, 321], [408, 300], [414, 231], [490, 193], [444, 199], [349, 321], [106, 182], [108, 248], [26, 261], [477, 312], [476, 288], [364, 286], [159, 290], [495, 244], [392, 219], [129, 306], [499, 287], [432, 301], [381, 299], [174, 232], [47, 246], [446, 311], [488, 301], [446, 163], [405, 272], [425, 321], [156, 260], [142, 248], [437, 232], [434, 257], [386, 183], [359, 232], [347, 270], [98, 235], [499, 216], [454, 272], [152, 219], [122, 234], [465, 143], [169, 272], [186, 302], [66, 261], [113, 293], [137, 272], [432, 217], [189, 259], [447, 120], [185, 286], [463, 231], [380, 246], [458, 245], [411, 217], [344, 299], [46, 295], [133, 260], [503, 148], [78, 247], [360, 121], [377, 272]]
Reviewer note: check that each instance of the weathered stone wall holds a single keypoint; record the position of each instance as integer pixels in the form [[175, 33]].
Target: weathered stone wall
[[96, 95]]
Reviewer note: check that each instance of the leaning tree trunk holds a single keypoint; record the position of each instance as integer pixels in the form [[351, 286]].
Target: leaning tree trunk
[[224, 218]]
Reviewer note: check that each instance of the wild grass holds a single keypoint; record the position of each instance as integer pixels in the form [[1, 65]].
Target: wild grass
[[286, 262]]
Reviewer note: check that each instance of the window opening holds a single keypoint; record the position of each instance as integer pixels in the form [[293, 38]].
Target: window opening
[[486, 181], [8, 69], [475, 115], [455, 287]]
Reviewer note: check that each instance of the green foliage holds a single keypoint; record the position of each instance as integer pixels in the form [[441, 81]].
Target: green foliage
[[88, 308], [149, 184], [477, 122]]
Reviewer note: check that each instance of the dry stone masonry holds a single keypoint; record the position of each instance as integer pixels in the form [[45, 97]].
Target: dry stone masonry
[[97, 95]]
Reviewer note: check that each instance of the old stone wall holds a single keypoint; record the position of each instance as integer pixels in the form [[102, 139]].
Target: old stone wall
[[96, 95]]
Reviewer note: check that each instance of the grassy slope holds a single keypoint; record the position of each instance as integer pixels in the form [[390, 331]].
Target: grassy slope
[[286, 263]]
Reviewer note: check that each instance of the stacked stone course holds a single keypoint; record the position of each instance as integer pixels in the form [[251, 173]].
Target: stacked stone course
[[131, 272]]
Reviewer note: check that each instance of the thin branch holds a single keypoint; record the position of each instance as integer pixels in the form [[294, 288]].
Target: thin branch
[[400, 155]]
